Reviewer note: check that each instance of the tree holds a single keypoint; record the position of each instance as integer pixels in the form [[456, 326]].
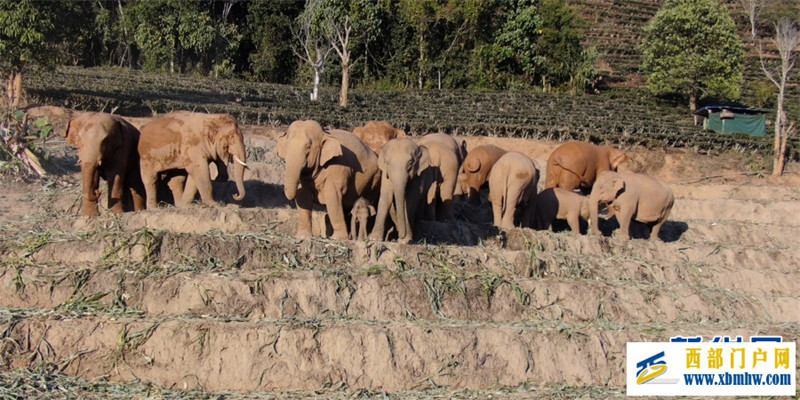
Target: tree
[[691, 48], [173, 34], [348, 24], [28, 34], [269, 24], [559, 46], [787, 38], [421, 16], [310, 44], [752, 8]]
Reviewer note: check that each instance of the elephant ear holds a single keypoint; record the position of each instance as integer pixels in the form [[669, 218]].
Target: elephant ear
[[472, 165], [399, 133], [617, 157], [281, 147], [223, 144], [618, 184], [115, 137], [423, 157], [71, 133], [383, 165], [331, 148]]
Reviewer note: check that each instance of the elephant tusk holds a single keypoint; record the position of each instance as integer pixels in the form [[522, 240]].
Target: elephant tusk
[[239, 161]]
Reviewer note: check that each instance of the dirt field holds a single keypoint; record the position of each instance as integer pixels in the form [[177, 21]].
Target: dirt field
[[223, 299]]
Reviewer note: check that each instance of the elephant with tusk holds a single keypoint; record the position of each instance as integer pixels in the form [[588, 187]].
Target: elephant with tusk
[[189, 141]]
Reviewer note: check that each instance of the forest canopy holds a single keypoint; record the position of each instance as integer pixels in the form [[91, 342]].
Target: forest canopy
[[489, 44]]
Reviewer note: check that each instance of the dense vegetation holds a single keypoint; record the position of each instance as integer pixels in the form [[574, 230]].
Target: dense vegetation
[[422, 43]]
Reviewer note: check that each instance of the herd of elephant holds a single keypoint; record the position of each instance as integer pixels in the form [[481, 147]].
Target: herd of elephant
[[409, 179]]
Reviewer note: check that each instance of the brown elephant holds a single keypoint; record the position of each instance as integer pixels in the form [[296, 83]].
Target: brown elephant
[[475, 170], [375, 134], [513, 183], [557, 203], [631, 197], [330, 168], [576, 165], [107, 149], [407, 187], [359, 215], [446, 155], [190, 141]]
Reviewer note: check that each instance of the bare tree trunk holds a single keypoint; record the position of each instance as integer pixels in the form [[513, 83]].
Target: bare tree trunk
[[777, 154], [693, 107], [14, 89], [751, 8], [126, 55], [315, 89], [345, 84], [421, 59], [787, 38]]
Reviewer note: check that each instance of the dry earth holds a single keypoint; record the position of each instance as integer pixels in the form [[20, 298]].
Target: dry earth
[[224, 300]]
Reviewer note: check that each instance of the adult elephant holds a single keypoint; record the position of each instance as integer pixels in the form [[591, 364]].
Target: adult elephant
[[631, 197], [446, 156], [576, 165], [375, 134], [512, 184], [330, 168], [190, 141], [406, 183], [107, 149], [475, 170]]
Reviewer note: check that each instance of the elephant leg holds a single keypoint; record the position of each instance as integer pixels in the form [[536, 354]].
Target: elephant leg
[[574, 223], [189, 193], [624, 217], [138, 200], [115, 193], [656, 229], [507, 221], [362, 229], [202, 179], [384, 204], [176, 185], [497, 211], [513, 197], [149, 180], [353, 223], [304, 201], [333, 204]]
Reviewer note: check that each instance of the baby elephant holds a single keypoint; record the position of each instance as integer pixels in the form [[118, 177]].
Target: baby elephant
[[557, 203], [360, 213], [631, 197]]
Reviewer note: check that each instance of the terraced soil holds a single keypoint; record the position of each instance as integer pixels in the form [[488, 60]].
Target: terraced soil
[[205, 300]]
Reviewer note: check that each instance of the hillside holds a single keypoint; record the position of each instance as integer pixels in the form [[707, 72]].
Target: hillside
[[221, 302]]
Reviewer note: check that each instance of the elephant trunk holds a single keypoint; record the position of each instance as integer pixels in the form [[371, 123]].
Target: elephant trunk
[[399, 183], [294, 166], [91, 182], [239, 157]]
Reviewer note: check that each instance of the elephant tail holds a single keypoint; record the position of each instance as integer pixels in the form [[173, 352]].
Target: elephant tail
[[554, 171]]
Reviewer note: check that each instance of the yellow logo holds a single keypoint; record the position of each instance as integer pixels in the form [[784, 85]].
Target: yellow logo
[[650, 368]]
